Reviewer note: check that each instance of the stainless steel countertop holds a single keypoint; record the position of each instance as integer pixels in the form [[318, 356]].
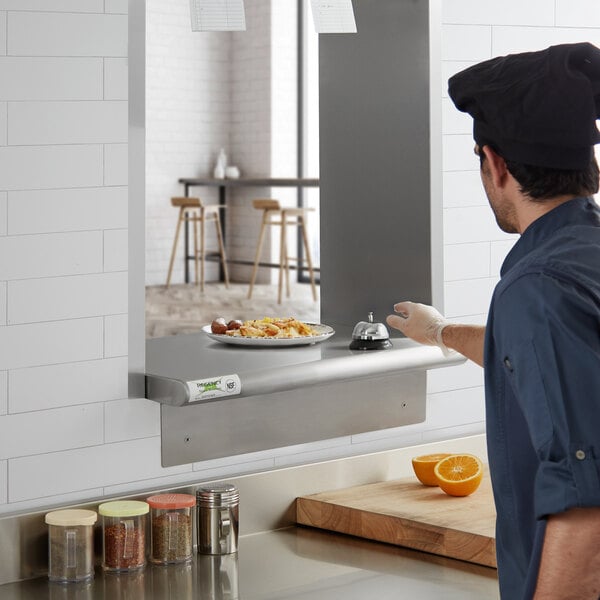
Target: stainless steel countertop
[[288, 564], [173, 361]]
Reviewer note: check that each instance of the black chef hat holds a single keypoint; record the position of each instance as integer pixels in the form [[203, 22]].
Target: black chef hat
[[536, 108]]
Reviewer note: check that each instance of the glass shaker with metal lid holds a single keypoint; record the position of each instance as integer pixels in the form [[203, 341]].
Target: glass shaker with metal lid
[[71, 544], [218, 518]]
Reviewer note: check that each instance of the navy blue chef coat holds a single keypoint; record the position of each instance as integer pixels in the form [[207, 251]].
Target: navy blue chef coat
[[542, 383]]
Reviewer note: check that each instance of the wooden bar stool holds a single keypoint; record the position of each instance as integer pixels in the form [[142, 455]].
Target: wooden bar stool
[[274, 214], [194, 211]]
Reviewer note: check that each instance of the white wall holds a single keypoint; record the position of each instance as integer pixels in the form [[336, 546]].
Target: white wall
[[66, 431]]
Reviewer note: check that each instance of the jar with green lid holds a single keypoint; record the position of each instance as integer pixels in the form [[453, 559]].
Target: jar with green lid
[[71, 544], [123, 535], [171, 528]]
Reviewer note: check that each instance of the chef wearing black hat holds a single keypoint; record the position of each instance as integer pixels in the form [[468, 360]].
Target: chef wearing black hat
[[534, 118]]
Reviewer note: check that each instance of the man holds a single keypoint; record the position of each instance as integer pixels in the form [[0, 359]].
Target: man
[[535, 129]]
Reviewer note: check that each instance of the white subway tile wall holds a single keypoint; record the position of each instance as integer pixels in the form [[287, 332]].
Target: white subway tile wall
[[67, 431], [40, 78]]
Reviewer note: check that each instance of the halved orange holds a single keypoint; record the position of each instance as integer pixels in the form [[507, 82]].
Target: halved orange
[[459, 474], [424, 465]]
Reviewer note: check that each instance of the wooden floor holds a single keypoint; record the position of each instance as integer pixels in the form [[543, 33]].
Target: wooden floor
[[184, 308]]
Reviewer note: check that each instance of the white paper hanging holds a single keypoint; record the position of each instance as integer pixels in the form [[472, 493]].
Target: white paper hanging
[[333, 16], [218, 15]]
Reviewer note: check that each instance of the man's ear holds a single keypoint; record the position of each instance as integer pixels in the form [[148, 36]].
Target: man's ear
[[497, 166]]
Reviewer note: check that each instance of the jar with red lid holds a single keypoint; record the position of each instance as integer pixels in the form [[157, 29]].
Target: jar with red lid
[[171, 528]]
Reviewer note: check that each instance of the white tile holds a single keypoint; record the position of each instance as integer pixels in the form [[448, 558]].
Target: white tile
[[450, 68], [508, 12], [457, 377], [115, 336], [470, 297], [3, 392], [66, 34], [3, 213], [55, 167], [463, 188], [116, 250], [50, 343], [455, 408], [115, 164], [3, 123], [67, 297], [44, 431], [577, 13], [3, 481], [84, 468], [525, 39], [466, 42], [471, 224], [2, 34], [457, 153], [453, 120], [116, 6], [92, 6], [58, 501], [116, 79], [67, 384], [3, 303], [53, 211], [466, 261], [499, 252], [128, 419], [50, 78], [154, 485], [460, 432], [60, 122], [50, 254]]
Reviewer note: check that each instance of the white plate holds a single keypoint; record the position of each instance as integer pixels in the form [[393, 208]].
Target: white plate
[[325, 332]]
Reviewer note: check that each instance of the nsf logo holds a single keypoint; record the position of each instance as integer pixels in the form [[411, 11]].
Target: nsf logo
[[231, 385]]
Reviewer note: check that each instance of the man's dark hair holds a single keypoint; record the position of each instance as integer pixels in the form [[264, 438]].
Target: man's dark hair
[[544, 183]]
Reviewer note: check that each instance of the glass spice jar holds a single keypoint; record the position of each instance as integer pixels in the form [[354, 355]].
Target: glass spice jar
[[71, 544], [123, 535], [171, 528]]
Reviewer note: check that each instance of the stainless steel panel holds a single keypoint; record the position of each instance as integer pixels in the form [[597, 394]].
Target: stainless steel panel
[[239, 425], [375, 162]]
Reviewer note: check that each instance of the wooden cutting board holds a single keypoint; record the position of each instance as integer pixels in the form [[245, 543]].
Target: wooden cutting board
[[405, 513]]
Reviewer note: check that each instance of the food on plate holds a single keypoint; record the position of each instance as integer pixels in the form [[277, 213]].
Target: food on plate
[[459, 474], [424, 465], [219, 325], [267, 327]]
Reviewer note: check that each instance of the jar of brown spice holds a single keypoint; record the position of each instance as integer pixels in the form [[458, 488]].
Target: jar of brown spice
[[171, 528], [70, 544], [123, 534]]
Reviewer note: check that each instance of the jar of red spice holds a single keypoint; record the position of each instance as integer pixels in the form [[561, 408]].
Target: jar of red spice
[[171, 528], [123, 534]]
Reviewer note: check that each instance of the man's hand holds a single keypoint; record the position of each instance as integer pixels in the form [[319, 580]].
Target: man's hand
[[420, 322], [426, 325]]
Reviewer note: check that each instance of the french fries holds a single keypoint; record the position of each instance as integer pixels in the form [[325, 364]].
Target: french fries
[[271, 327]]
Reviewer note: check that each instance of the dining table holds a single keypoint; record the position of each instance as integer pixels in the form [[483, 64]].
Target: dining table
[[223, 186]]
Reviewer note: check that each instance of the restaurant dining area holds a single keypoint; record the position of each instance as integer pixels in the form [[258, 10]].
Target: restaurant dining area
[[232, 168]]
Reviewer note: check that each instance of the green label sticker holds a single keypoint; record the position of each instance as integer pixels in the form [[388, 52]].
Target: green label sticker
[[214, 387]]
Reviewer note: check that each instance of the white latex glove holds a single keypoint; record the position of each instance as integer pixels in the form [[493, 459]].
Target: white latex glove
[[421, 323]]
